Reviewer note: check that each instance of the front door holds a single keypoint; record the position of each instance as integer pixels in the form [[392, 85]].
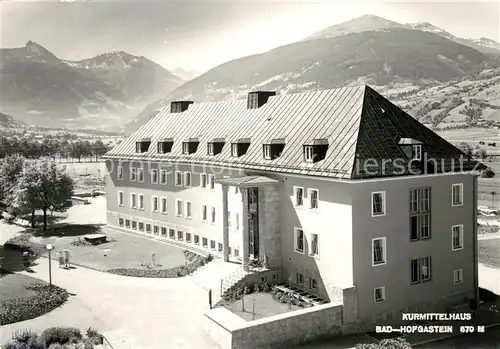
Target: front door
[[253, 235]]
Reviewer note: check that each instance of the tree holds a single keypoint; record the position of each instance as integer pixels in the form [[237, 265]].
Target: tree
[[10, 171], [398, 343], [99, 149], [43, 186], [481, 154], [466, 148]]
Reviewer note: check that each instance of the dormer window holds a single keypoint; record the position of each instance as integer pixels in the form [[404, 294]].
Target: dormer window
[[190, 146], [273, 149], [240, 147], [315, 150], [165, 145], [215, 146], [412, 148], [417, 152], [142, 146]]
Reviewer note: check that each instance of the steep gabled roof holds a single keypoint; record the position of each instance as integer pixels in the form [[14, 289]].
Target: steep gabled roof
[[332, 114], [358, 124]]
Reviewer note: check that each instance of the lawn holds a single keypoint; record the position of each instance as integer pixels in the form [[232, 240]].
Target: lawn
[[262, 303], [23, 297], [489, 252]]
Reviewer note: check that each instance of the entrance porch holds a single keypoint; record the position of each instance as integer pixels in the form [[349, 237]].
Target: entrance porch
[[261, 215]]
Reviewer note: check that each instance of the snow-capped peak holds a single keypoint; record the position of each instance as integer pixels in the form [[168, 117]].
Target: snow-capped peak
[[428, 27], [485, 42]]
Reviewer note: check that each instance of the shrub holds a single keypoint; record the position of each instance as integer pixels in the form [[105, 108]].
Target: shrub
[[265, 287], [60, 335], [247, 290], [56, 346], [94, 336], [256, 288], [14, 345], [24, 336], [398, 343]]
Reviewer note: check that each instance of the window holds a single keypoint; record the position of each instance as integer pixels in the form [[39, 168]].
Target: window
[[171, 233], [210, 149], [133, 174], [205, 242], [220, 247], [420, 269], [203, 180], [420, 216], [299, 196], [164, 205], [141, 226], [178, 178], [234, 149], [165, 146], [120, 222], [312, 283], [185, 148], [379, 294], [154, 204], [211, 179], [163, 177], [163, 231], [187, 212], [180, 235], [308, 153], [457, 194], [213, 215], [299, 240], [120, 198], [229, 220], [187, 179], [142, 146], [313, 245], [204, 213], [156, 229], [458, 275], [133, 200], [299, 278], [457, 237], [141, 201], [178, 208], [313, 199], [127, 223], [266, 148], [212, 244], [188, 237], [237, 221], [420, 227], [120, 173], [378, 203], [417, 152], [134, 225], [148, 228], [197, 239], [154, 176], [236, 252], [140, 174], [378, 251]]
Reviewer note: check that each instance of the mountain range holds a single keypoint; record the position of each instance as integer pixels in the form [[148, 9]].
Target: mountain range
[[391, 57], [409, 62], [101, 92]]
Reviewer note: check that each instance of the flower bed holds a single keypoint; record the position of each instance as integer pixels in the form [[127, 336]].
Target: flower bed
[[56, 338], [47, 298], [194, 261]]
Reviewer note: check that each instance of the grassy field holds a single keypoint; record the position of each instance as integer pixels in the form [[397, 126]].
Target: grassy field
[[473, 136]]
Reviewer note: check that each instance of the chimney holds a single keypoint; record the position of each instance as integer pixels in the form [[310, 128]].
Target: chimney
[[258, 98], [179, 106]]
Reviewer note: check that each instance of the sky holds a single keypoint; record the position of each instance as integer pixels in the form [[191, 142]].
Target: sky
[[199, 35]]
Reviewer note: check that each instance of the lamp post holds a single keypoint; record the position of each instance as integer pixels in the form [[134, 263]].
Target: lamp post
[[49, 248], [51, 208]]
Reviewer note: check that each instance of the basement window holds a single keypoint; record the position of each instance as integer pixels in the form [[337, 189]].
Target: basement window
[[190, 146], [240, 147], [142, 146], [165, 145], [315, 150]]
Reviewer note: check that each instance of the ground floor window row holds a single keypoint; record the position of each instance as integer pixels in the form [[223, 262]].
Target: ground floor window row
[[175, 234]]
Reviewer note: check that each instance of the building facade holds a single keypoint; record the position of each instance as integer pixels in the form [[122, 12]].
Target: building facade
[[335, 189]]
